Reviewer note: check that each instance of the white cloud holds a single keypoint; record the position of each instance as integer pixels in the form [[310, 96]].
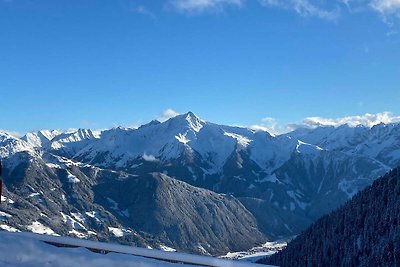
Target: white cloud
[[386, 6], [267, 124], [389, 11], [149, 158], [134, 125], [305, 8], [200, 6], [167, 114]]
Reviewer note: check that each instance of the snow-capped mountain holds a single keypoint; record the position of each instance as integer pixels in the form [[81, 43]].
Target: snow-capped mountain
[[40, 138], [285, 182], [10, 145], [63, 143], [381, 142], [186, 133], [167, 141]]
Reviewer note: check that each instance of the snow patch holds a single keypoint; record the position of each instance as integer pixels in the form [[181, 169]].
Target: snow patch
[[256, 253], [119, 232], [79, 217], [241, 140], [166, 248], [9, 200], [8, 228], [5, 214], [78, 234], [94, 215], [72, 222], [194, 122], [37, 227], [182, 138], [305, 148], [53, 166], [72, 178]]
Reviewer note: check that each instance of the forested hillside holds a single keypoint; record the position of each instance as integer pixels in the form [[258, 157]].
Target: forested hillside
[[363, 232]]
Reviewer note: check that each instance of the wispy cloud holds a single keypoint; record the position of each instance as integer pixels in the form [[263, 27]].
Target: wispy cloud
[[389, 11], [167, 114], [305, 8], [201, 6], [386, 6], [149, 158], [267, 124], [142, 10]]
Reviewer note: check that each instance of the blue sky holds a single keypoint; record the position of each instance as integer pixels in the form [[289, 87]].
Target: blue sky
[[99, 64]]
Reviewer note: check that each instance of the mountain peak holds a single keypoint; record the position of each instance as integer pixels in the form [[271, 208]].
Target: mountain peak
[[153, 122], [190, 114], [189, 120], [194, 122], [5, 135]]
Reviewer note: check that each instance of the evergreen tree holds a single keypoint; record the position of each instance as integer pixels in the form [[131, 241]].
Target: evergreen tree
[[363, 232]]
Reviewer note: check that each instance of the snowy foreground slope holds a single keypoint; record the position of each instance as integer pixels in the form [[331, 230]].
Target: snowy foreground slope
[[29, 250]]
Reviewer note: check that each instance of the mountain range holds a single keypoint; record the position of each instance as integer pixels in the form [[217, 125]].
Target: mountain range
[[188, 184]]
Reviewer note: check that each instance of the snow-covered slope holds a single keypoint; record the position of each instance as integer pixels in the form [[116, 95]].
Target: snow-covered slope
[[168, 140], [10, 145], [186, 134], [66, 143], [285, 181], [28, 250], [40, 138], [381, 142]]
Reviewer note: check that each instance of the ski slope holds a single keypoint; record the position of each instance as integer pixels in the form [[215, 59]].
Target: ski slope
[[32, 250]]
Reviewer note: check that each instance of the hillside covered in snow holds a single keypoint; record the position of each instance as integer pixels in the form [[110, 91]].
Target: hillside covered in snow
[[186, 184], [32, 250]]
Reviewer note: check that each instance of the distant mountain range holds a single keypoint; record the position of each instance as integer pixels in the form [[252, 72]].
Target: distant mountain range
[[185, 183], [363, 232]]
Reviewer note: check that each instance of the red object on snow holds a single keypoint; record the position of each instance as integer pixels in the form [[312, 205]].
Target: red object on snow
[[1, 181]]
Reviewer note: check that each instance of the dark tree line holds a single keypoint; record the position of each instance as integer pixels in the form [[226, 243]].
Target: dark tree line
[[365, 231]]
